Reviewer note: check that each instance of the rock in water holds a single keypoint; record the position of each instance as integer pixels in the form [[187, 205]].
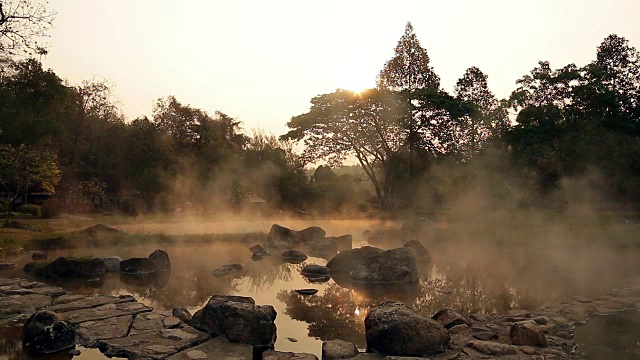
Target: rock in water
[[112, 263], [294, 256], [160, 259], [392, 328], [281, 237], [315, 271], [338, 349], [63, 266], [137, 266], [307, 291], [346, 261], [312, 234], [392, 266], [238, 319], [45, 332], [226, 270]]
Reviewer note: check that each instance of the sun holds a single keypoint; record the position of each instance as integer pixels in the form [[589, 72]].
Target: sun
[[356, 80]]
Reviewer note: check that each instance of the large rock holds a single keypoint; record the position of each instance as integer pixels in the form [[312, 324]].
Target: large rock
[[449, 318], [137, 266], [112, 263], [63, 266], [391, 266], [312, 234], [421, 251], [527, 333], [160, 259], [346, 261], [343, 243], [238, 319], [420, 229], [392, 328], [281, 237], [45, 332], [338, 349]]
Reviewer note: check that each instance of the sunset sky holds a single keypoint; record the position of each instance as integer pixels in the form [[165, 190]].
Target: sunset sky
[[262, 61]]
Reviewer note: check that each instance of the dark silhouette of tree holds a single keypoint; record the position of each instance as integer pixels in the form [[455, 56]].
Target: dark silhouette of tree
[[22, 24]]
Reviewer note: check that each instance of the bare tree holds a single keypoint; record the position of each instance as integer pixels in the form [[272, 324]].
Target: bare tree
[[22, 24]]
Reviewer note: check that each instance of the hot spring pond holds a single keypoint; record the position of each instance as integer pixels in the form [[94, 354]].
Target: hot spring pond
[[470, 280]]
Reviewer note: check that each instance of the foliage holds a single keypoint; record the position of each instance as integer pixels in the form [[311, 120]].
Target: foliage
[[22, 24], [33, 210]]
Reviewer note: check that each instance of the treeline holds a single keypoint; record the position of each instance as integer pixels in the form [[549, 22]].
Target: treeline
[[562, 133]]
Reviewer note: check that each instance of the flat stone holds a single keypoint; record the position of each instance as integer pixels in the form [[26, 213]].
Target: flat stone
[[529, 350], [155, 345], [6, 281], [32, 284], [153, 321], [26, 304], [279, 355], [6, 291], [338, 349], [491, 348], [516, 315], [105, 312], [218, 348], [485, 335], [89, 333], [49, 290], [91, 302], [65, 299]]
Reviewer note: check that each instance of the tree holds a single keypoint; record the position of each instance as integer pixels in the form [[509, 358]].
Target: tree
[[22, 24], [25, 167]]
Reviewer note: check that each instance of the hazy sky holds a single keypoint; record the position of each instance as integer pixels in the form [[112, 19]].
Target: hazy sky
[[262, 61]]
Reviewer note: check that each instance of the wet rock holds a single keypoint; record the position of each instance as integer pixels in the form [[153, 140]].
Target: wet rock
[[527, 333], [112, 263], [325, 249], [153, 321], [182, 313], [258, 252], [4, 265], [315, 271], [105, 312], [218, 349], [137, 266], [89, 333], [392, 328], [516, 315], [391, 266], [49, 290], [486, 335], [45, 333], [343, 243], [448, 317], [64, 267], [160, 259], [238, 319], [421, 229], [338, 349], [226, 270], [26, 304], [421, 251], [292, 339], [85, 302], [312, 234], [491, 348], [281, 237], [75, 352], [153, 345], [294, 256], [279, 355], [34, 266], [346, 261], [307, 291], [39, 255]]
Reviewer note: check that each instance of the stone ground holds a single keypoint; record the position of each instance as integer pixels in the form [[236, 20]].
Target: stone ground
[[123, 327]]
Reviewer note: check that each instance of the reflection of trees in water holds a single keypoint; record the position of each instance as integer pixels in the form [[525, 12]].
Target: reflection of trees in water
[[265, 273]]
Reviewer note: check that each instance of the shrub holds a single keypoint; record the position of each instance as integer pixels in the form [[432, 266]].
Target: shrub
[[34, 210]]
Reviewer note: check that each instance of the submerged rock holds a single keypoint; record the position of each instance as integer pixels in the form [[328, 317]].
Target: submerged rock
[[112, 263], [226, 270], [391, 266], [137, 266], [282, 237], [63, 267], [45, 332], [160, 260], [392, 328], [238, 319], [294, 256]]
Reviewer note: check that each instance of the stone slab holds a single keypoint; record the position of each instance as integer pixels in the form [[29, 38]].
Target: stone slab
[[89, 333], [153, 345], [91, 302], [65, 299], [25, 304], [153, 321], [9, 281], [49, 290], [105, 312], [218, 349], [279, 355]]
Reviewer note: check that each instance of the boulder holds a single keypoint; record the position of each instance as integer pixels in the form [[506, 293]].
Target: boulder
[[324, 249], [182, 313], [391, 266], [45, 332], [238, 319], [311, 234], [112, 263], [420, 229], [392, 328], [450, 318], [63, 266], [160, 259], [39, 255], [281, 237], [343, 243], [421, 252], [338, 349], [315, 271], [527, 333], [226, 270], [346, 261], [294, 256], [137, 266]]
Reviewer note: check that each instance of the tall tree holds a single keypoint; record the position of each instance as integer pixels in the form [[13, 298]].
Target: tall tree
[[23, 23]]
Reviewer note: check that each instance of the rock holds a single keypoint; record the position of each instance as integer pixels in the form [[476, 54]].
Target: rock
[[458, 329], [528, 350], [315, 271], [391, 266], [516, 315], [160, 259], [307, 291], [486, 335], [137, 266], [527, 333], [226, 270], [64, 267], [4, 265], [421, 252], [338, 349], [257, 248], [104, 312], [89, 333], [78, 302], [343, 243], [238, 319], [39, 255], [324, 249], [478, 317], [258, 252], [392, 328], [281, 237], [99, 229], [292, 339], [153, 321], [420, 229], [45, 333], [346, 261], [182, 313], [218, 349], [153, 345], [279, 355], [34, 266], [75, 352], [26, 304], [112, 263], [312, 234], [449, 318], [294, 256], [491, 348]]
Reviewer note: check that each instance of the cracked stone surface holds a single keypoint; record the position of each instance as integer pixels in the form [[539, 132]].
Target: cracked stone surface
[[154, 321], [89, 333], [217, 348], [153, 345], [91, 302], [20, 305], [104, 312]]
